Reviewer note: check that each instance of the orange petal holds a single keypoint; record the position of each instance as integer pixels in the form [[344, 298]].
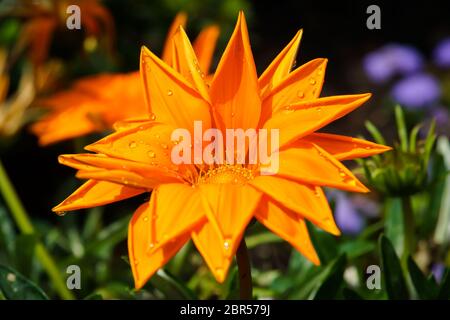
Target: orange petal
[[234, 89], [310, 164], [131, 123], [148, 143], [204, 46], [210, 245], [345, 148], [303, 118], [96, 193], [229, 208], [94, 162], [281, 66], [174, 216], [145, 263], [186, 63], [288, 226], [170, 98], [303, 84], [180, 20], [66, 124], [126, 178], [306, 200]]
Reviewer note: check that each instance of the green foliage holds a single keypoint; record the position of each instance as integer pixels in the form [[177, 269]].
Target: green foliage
[[15, 286]]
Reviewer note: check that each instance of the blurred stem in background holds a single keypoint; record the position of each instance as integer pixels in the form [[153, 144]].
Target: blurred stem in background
[[26, 227]]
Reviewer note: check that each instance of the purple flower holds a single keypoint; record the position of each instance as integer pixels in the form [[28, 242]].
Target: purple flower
[[441, 115], [438, 271], [441, 53], [416, 91], [347, 217], [392, 59]]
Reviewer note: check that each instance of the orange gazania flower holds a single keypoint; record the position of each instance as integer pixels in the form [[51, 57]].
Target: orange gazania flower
[[95, 103], [212, 205]]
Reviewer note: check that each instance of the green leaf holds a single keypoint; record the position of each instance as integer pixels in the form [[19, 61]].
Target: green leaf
[[376, 134], [424, 288], [264, 237], [15, 286], [333, 282], [444, 290], [393, 223], [441, 235], [392, 271], [7, 232], [413, 138], [25, 245], [401, 128], [94, 296], [171, 287]]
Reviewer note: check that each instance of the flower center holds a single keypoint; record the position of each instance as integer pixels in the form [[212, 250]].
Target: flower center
[[236, 174]]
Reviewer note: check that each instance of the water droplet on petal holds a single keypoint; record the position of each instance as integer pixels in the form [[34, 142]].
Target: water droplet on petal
[[300, 94], [312, 81], [151, 154], [164, 146], [132, 144], [226, 244], [145, 218], [169, 93], [152, 116], [318, 109]]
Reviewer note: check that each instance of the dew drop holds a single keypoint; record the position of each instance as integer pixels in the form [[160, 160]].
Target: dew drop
[[11, 277], [145, 218], [312, 81], [300, 94], [136, 262], [132, 144], [169, 93], [62, 213], [151, 154], [164, 146], [152, 116], [226, 244], [232, 114], [318, 109], [152, 245], [368, 148], [342, 173], [288, 109]]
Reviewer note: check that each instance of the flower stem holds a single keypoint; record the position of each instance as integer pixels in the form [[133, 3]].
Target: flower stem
[[245, 272], [408, 222], [25, 226]]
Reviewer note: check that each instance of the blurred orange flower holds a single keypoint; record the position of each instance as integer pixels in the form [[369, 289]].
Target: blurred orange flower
[[45, 17], [213, 204], [95, 103]]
